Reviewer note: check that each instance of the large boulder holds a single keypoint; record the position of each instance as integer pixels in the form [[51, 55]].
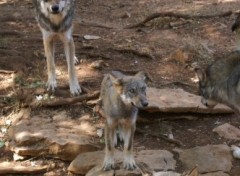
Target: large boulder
[[179, 101]]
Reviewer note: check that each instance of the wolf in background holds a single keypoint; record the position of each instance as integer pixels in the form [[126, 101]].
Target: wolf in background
[[236, 28], [220, 82], [55, 21], [121, 97]]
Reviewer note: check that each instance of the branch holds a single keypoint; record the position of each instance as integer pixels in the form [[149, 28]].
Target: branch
[[65, 101], [176, 15]]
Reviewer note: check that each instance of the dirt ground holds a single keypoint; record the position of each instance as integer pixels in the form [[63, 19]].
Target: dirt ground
[[165, 48]]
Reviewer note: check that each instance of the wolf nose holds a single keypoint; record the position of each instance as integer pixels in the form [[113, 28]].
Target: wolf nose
[[145, 104], [55, 8]]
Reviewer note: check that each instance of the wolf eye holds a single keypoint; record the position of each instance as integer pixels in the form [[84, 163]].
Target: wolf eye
[[143, 89], [132, 90]]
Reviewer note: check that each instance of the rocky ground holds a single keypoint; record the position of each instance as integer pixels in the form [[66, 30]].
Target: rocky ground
[[56, 134]]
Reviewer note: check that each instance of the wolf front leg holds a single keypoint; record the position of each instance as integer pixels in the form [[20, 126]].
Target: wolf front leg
[[69, 48], [128, 134], [49, 53], [108, 163]]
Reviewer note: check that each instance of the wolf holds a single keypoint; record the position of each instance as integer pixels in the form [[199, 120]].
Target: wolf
[[236, 24], [55, 18], [121, 97], [236, 29], [220, 82]]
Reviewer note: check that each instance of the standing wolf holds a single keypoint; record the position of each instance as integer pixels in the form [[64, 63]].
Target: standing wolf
[[121, 97], [55, 21], [220, 82]]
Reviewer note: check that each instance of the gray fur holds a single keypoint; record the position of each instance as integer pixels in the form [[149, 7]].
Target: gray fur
[[45, 23], [121, 97], [220, 82]]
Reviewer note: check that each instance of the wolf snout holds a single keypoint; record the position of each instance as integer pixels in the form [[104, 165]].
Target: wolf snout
[[144, 103], [55, 8]]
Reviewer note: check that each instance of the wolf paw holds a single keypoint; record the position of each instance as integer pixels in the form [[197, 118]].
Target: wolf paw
[[75, 89], [51, 85], [108, 164], [129, 164]]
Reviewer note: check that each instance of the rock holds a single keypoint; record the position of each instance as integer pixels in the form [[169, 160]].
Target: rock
[[86, 161], [210, 158], [124, 172], [170, 173], [215, 174], [157, 159], [58, 139], [228, 131], [179, 101], [97, 171], [98, 64], [91, 37]]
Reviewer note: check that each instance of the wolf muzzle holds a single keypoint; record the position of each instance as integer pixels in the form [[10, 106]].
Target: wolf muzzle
[[55, 9], [144, 103]]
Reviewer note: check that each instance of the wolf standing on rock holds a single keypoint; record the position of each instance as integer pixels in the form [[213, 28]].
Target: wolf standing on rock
[[55, 21], [121, 97]]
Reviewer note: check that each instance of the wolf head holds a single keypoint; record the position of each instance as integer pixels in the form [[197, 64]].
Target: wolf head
[[236, 24], [53, 6], [131, 89], [205, 88]]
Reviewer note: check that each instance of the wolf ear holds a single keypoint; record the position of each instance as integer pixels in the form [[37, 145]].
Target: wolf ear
[[200, 74], [141, 75], [117, 74], [117, 78]]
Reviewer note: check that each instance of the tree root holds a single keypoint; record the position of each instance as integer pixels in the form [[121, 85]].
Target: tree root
[[176, 15]]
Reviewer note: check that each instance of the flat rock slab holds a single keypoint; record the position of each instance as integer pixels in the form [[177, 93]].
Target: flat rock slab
[[154, 159], [97, 171], [228, 131], [169, 173], [210, 158], [63, 139], [179, 101], [157, 159], [215, 174]]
